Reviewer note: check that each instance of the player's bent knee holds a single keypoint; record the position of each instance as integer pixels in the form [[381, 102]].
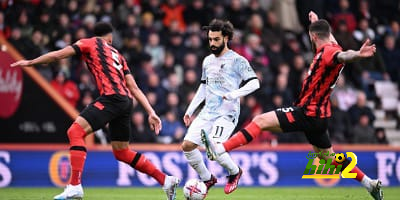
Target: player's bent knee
[[76, 135], [188, 146]]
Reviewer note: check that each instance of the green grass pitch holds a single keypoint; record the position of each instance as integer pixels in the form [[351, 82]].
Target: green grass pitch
[[242, 193]]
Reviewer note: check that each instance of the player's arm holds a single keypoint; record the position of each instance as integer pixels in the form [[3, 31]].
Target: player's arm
[[154, 120], [196, 101], [312, 16], [47, 58], [366, 50], [250, 86]]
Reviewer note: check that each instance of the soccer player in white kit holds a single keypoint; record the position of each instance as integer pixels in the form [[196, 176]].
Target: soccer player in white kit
[[223, 72]]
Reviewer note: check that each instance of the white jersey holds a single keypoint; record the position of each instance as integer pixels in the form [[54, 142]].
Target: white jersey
[[222, 75]]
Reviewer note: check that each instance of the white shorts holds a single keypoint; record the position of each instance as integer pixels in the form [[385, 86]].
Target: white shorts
[[219, 130]]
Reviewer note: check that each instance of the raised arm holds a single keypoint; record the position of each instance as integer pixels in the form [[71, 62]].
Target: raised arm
[[312, 16], [246, 89], [154, 120], [366, 50], [47, 58]]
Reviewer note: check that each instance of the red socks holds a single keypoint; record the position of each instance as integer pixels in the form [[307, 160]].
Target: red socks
[[242, 137], [140, 163], [360, 174], [76, 136], [77, 158]]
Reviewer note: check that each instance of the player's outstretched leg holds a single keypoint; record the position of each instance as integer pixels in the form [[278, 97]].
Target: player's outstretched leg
[[195, 160], [375, 189], [213, 180], [71, 192], [170, 185], [209, 145], [233, 181]]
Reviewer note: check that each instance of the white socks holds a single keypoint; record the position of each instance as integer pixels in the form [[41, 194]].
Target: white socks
[[366, 183], [226, 161], [195, 159], [219, 148]]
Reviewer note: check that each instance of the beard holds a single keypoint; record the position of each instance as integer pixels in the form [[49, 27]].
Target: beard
[[313, 47], [217, 50]]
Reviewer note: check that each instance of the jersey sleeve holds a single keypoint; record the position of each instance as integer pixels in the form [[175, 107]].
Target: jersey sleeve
[[82, 46], [125, 67], [244, 68], [203, 72], [330, 54]]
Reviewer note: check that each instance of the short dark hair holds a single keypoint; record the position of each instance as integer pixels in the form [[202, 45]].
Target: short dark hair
[[102, 28], [225, 27], [321, 28]]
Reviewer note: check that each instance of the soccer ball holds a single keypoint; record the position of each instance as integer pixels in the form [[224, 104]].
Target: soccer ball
[[339, 158], [195, 189]]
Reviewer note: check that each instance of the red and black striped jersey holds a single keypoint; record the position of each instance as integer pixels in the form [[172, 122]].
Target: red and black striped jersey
[[320, 81], [106, 64]]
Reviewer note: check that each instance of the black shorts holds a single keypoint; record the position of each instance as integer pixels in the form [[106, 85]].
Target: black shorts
[[293, 119], [113, 109]]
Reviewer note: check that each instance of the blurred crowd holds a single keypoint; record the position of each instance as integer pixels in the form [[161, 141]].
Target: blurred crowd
[[164, 46]]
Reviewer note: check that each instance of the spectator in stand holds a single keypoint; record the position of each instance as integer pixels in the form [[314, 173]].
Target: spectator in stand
[[372, 69], [236, 14], [140, 133], [346, 95], [154, 7], [391, 57], [297, 69], [155, 50], [363, 131], [344, 37], [190, 83], [86, 84], [193, 43], [287, 14], [169, 67], [176, 46], [146, 27], [191, 62], [130, 27], [281, 88], [174, 104], [274, 32], [339, 125], [254, 7], [173, 130], [363, 31], [4, 28], [364, 11], [395, 31], [254, 52], [381, 136], [361, 108], [24, 24], [67, 88], [344, 14], [173, 11], [171, 83], [196, 11]]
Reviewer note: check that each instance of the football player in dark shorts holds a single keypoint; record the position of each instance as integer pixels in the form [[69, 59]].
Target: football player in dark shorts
[[114, 105], [312, 109]]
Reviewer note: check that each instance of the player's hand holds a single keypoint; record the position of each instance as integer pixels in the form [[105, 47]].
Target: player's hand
[[367, 49], [21, 63], [155, 123], [312, 16], [187, 120]]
